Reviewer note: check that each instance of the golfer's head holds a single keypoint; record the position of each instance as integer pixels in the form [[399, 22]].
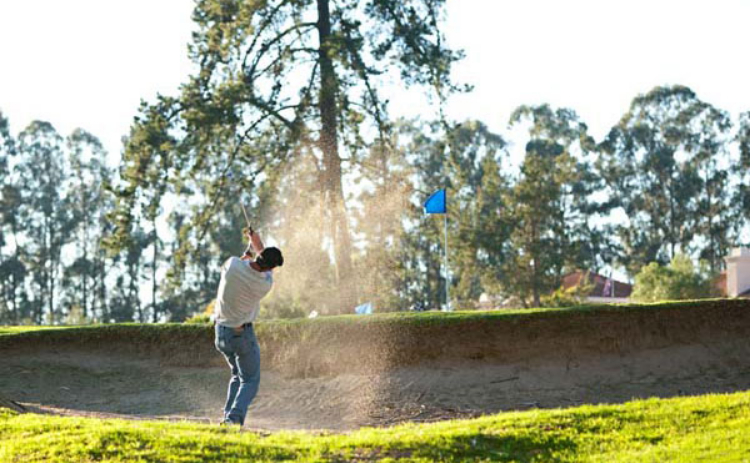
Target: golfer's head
[[270, 258]]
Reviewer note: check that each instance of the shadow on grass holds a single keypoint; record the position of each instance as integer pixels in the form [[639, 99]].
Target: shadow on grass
[[527, 448]]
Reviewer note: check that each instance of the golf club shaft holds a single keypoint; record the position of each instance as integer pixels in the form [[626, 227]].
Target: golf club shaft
[[244, 212]]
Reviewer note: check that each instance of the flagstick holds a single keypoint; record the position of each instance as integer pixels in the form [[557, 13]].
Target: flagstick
[[447, 271]]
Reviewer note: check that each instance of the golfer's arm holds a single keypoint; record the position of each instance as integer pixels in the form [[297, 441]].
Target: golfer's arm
[[256, 243]]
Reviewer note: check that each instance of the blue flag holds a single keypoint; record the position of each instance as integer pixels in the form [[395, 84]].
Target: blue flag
[[435, 204]]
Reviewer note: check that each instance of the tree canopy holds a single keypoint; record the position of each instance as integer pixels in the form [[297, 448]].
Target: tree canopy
[[287, 112], [278, 80]]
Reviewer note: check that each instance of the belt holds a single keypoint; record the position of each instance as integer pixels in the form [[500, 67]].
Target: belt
[[241, 328]]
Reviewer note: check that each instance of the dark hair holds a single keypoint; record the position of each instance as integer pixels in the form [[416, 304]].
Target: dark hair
[[270, 258]]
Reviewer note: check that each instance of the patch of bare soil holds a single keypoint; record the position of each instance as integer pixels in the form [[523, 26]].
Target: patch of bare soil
[[100, 385], [418, 375], [11, 404]]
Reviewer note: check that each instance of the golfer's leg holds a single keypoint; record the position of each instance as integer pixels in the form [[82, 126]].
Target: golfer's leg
[[223, 345], [248, 363], [234, 384]]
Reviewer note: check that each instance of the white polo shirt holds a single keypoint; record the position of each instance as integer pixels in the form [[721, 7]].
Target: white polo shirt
[[240, 291]]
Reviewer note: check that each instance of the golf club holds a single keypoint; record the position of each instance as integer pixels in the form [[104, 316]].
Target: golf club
[[247, 219]]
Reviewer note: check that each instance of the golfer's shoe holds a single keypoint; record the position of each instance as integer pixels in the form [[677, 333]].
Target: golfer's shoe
[[229, 422]]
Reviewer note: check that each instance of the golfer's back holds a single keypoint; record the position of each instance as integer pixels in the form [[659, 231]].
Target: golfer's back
[[240, 291]]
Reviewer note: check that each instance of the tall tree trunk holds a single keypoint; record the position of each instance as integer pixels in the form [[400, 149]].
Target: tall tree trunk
[[331, 160], [15, 283], [437, 278], [535, 266], [5, 309], [53, 314], [84, 244], [14, 289], [103, 306], [709, 229], [85, 282], [49, 240], [48, 266], [133, 295], [672, 226], [154, 313], [535, 285]]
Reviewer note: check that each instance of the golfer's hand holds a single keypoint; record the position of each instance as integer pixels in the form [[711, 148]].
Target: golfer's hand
[[248, 231]]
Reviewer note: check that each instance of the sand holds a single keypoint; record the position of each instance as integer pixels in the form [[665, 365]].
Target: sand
[[704, 357]]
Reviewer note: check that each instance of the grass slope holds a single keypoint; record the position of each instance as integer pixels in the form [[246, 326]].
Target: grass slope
[[393, 318], [703, 428], [351, 343]]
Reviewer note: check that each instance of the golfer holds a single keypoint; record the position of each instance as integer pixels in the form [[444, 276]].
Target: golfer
[[243, 284]]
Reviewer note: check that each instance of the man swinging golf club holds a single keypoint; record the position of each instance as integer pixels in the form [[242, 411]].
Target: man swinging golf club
[[243, 284]]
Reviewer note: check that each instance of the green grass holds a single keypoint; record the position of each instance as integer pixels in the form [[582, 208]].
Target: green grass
[[15, 330], [195, 340], [703, 428], [27, 328], [511, 314], [431, 317]]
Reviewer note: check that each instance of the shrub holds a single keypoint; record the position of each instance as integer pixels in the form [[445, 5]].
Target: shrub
[[678, 280], [203, 317], [198, 319], [570, 297]]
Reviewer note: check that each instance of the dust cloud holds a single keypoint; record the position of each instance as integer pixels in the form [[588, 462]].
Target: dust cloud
[[301, 224]]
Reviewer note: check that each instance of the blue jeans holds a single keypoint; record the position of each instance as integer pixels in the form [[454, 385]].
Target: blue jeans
[[243, 355]]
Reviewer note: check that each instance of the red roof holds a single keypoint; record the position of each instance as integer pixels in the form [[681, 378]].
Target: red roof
[[620, 290]]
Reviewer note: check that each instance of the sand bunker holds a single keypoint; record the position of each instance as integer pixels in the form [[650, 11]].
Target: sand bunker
[[437, 371]]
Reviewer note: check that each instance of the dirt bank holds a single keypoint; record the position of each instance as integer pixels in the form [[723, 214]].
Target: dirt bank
[[345, 373]]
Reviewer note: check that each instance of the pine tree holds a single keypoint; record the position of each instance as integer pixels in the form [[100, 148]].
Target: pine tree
[[741, 169], [43, 170], [465, 159], [475, 155], [717, 219], [385, 204], [279, 80], [549, 205], [86, 201], [12, 269], [662, 165]]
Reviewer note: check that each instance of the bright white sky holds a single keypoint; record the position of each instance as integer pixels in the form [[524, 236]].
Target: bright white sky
[[87, 63]]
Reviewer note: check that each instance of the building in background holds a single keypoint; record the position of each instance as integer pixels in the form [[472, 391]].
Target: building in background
[[604, 289], [735, 280]]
